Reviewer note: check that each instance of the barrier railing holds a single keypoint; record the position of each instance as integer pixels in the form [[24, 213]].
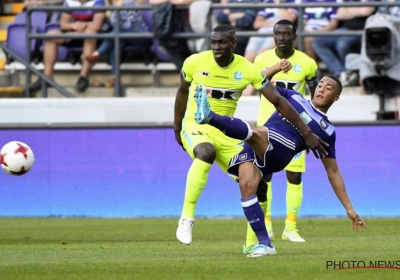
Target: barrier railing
[[117, 35]]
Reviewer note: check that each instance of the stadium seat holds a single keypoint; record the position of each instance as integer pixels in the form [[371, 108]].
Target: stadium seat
[[16, 34], [16, 39]]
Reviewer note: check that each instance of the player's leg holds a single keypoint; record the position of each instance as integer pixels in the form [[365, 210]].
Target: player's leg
[[251, 237], [227, 148], [249, 178], [201, 149], [268, 220], [294, 197]]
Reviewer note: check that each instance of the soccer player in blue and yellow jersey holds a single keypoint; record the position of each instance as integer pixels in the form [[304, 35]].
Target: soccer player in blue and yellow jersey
[[269, 148], [303, 73], [224, 75]]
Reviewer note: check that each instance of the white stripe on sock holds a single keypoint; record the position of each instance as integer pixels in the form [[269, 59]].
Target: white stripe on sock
[[250, 202]]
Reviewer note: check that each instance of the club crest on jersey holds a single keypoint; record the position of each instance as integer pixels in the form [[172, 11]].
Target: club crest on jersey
[[323, 124], [243, 157], [238, 76], [297, 68], [202, 73]]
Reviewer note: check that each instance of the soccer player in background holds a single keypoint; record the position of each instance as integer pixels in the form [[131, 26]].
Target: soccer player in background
[[269, 148], [224, 75], [303, 73]]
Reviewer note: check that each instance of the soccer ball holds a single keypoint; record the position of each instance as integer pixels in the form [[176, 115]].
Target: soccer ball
[[16, 158]]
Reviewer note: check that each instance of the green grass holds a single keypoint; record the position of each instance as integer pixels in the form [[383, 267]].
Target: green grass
[[55, 248]]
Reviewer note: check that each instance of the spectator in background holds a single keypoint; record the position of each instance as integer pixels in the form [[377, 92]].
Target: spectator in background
[[199, 20], [81, 22], [317, 19], [131, 21], [240, 19], [333, 50], [264, 23]]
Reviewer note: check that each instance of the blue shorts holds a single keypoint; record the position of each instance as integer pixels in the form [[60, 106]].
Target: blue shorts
[[280, 152]]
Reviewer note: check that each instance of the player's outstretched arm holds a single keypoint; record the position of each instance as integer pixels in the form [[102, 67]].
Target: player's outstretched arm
[[283, 106], [181, 98], [337, 182]]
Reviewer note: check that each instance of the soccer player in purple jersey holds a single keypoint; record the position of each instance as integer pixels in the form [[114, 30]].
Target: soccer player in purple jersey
[[271, 147]]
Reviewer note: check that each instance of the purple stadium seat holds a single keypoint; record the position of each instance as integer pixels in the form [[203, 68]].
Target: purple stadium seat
[[20, 18], [38, 19], [16, 39]]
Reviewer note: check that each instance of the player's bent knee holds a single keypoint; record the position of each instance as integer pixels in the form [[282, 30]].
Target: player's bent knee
[[205, 152], [247, 187]]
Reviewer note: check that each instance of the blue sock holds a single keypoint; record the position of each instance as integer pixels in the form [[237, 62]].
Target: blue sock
[[255, 217], [232, 127]]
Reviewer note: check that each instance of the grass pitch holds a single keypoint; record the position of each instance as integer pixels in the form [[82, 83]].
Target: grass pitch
[[56, 248]]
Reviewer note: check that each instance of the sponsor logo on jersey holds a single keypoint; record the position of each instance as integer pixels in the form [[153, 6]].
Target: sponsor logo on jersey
[[238, 76], [202, 73], [305, 118], [323, 124], [220, 93], [292, 85], [221, 77]]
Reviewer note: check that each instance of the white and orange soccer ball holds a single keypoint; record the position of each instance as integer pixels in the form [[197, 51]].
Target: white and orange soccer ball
[[16, 158]]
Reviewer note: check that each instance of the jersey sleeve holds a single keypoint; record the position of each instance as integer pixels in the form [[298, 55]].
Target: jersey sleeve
[[259, 78], [187, 69], [331, 148]]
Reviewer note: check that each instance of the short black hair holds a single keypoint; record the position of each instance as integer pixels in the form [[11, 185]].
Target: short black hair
[[225, 28], [287, 22], [338, 82]]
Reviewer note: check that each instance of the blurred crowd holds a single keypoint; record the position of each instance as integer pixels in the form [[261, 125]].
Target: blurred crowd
[[331, 50]]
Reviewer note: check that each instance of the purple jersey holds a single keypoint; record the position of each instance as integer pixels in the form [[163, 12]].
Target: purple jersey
[[316, 120], [285, 140]]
